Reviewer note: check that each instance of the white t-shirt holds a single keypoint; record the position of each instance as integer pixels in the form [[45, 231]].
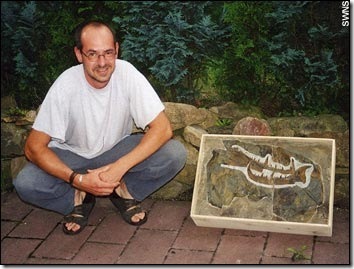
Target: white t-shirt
[[88, 121]]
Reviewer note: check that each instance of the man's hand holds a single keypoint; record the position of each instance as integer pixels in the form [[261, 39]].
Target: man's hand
[[110, 173], [38, 152], [158, 133], [92, 183]]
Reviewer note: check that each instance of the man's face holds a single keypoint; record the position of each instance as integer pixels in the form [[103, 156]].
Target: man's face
[[98, 55]]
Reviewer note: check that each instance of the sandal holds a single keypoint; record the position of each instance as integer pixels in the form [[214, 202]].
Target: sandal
[[128, 208], [80, 214]]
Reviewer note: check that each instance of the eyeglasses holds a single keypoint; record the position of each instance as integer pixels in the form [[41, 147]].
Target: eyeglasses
[[93, 55]]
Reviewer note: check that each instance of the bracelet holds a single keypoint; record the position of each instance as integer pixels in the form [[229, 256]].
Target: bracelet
[[72, 176]]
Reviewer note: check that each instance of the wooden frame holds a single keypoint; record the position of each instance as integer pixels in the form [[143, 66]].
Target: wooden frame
[[265, 183]]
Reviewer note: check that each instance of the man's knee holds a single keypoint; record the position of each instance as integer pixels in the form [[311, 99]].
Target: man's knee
[[22, 186], [177, 154]]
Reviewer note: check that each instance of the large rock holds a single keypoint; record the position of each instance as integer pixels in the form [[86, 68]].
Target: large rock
[[193, 134], [342, 145], [12, 140], [304, 126], [17, 164], [187, 175], [6, 177], [236, 112], [7, 102], [210, 118], [171, 191], [252, 126], [182, 115]]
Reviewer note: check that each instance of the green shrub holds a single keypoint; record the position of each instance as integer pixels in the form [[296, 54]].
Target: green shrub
[[171, 42], [288, 57]]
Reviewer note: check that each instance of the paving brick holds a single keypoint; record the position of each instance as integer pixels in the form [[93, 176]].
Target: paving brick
[[245, 232], [113, 229], [278, 243], [6, 227], [331, 253], [46, 261], [38, 224], [239, 250], [277, 260], [62, 246], [167, 215], [197, 238], [97, 253], [98, 214], [169, 236], [148, 247], [12, 208], [104, 202], [184, 256], [104, 207], [16, 250], [148, 203], [340, 233], [341, 215]]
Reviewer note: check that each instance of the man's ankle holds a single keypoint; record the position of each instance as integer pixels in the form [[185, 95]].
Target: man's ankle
[[78, 197], [122, 191]]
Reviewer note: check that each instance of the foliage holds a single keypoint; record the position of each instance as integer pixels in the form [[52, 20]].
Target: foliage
[[289, 57], [303, 45], [298, 254], [223, 122], [38, 43], [240, 72], [23, 35], [7, 54], [172, 42], [16, 111]]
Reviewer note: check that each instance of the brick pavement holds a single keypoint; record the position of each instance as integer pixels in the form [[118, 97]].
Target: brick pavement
[[34, 236]]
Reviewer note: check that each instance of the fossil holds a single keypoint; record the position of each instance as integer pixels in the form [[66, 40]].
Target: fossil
[[265, 172]]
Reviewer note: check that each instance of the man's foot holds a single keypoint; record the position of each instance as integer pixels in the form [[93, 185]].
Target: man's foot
[[77, 220], [128, 207]]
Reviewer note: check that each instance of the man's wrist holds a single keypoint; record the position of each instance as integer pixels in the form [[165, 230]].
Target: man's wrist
[[72, 177]]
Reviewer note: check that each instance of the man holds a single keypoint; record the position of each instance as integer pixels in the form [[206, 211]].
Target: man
[[81, 146]]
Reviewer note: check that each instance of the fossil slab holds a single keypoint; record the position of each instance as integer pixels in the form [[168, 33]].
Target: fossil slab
[[265, 183]]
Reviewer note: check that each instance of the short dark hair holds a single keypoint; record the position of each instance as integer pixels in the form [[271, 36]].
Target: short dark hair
[[95, 23]]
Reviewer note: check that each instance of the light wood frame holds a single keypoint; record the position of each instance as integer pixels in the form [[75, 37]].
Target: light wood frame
[[205, 214]]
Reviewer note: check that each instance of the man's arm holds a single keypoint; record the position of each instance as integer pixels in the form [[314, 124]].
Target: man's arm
[[38, 152], [159, 132]]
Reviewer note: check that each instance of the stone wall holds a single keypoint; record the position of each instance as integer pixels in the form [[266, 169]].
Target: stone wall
[[189, 124]]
